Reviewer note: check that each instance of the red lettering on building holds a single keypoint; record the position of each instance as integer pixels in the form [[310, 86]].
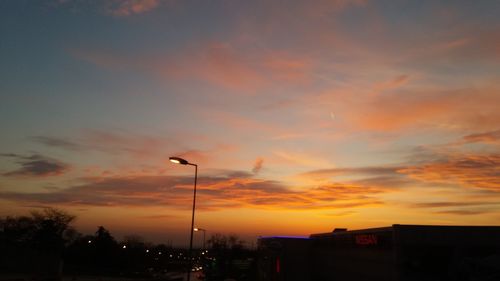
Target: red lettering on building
[[366, 239]]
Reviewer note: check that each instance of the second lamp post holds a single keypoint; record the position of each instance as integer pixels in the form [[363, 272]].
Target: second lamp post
[[204, 232]]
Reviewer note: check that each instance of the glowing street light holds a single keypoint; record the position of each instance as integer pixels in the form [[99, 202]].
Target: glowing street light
[[204, 232], [178, 160]]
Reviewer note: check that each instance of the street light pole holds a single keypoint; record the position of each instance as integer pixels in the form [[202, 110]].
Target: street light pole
[[181, 161]]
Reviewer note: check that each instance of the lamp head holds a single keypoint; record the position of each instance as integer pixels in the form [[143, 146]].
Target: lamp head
[[178, 160]]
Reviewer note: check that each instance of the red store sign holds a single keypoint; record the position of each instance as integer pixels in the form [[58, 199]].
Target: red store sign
[[366, 239]]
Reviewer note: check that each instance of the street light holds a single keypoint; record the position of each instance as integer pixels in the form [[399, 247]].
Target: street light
[[204, 232], [178, 160]]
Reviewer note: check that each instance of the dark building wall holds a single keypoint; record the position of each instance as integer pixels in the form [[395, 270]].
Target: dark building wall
[[397, 253], [447, 252], [353, 256], [284, 259]]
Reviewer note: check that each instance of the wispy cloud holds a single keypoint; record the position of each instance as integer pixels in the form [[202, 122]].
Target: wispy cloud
[[158, 217], [58, 142], [122, 8], [341, 214], [135, 145], [393, 83], [444, 204], [215, 193], [465, 207], [301, 158], [382, 177], [458, 109], [36, 165], [379, 171], [475, 171], [116, 8], [492, 137], [257, 166], [461, 212], [461, 44], [112, 142], [221, 64]]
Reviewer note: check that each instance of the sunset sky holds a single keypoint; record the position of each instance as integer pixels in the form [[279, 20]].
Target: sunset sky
[[302, 115]]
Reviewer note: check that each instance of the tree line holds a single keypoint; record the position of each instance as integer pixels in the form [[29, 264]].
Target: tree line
[[45, 245]]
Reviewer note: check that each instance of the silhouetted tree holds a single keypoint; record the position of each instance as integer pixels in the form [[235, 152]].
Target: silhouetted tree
[[225, 249], [133, 257], [52, 230], [79, 255], [16, 243], [106, 249], [38, 240]]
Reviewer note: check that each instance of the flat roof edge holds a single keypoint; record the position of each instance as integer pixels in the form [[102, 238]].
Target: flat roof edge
[[283, 237], [402, 226]]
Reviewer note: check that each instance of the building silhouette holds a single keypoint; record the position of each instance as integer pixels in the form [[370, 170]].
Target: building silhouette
[[397, 253]]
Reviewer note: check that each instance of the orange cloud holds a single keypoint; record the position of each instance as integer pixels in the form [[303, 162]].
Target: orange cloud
[[301, 158], [234, 67], [224, 66], [492, 137], [288, 68], [341, 214], [396, 82], [238, 122], [258, 165], [450, 204], [459, 208], [452, 109], [461, 212], [382, 177], [475, 171], [256, 193], [464, 44], [378, 171], [236, 190], [220, 64]]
